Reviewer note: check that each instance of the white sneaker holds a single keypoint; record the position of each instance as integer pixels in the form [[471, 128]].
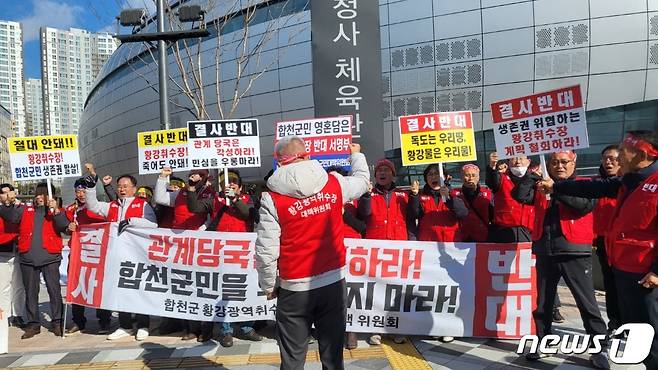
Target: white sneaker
[[446, 339], [142, 334], [120, 333], [375, 339]]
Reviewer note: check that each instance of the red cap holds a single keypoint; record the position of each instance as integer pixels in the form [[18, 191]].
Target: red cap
[[385, 162]]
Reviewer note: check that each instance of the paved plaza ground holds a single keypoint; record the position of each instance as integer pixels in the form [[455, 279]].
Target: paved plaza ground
[[89, 351]]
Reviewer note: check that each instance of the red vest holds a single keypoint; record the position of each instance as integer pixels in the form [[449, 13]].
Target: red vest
[[631, 237], [183, 218], [577, 229], [438, 223], [311, 232], [387, 223], [348, 230], [135, 210], [230, 222], [507, 211], [8, 231], [52, 241], [84, 215], [603, 214], [475, 227]]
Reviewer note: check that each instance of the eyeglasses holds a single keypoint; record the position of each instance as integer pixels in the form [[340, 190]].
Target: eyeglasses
[[610, 158], [564, 162]]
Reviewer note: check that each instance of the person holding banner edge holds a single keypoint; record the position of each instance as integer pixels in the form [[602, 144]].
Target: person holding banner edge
[[128, 211], [78, 214], [40, 226], [12, 283], [562, 237], [633, 230], [307, 249]]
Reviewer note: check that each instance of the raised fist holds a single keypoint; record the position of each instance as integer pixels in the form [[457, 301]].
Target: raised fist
[[166, 172], [415, 187], [107, 180], [90, 168], [355, 148], [493, 160]]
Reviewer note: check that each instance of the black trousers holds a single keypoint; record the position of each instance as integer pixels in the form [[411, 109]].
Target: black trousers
[[296, 311], [126, 320], [611, 300], [79, 318], [638, 304], [32, 283], [577, 273]]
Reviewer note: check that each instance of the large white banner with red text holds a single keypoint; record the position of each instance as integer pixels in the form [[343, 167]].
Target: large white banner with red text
[[406, 287]]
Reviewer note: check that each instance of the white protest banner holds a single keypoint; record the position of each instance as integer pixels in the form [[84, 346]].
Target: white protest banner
[[327, 139], [405, 287], [162, 148], [223, 143], [44, 157], [541, 123], [192, 275]]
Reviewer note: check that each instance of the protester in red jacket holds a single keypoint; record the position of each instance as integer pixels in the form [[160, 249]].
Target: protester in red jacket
[[384, 209], [40, 226], [78, 214], [562, 245], [475, 226], [438, 213], [11, 282], [631, 238], [603, 214], [230, 211]]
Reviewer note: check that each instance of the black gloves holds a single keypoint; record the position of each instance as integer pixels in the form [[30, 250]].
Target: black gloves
[[123, 225], [90, 181]]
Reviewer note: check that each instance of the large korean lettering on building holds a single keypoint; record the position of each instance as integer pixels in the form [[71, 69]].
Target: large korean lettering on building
[[223, 143], [347, 66], [43, 157], [162, 148], [425, 288], [548, 122]]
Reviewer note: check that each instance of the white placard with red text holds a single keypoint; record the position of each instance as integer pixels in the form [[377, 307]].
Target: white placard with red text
[[405, 287], [542, 123]]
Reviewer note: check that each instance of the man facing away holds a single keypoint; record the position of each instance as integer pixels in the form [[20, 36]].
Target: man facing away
[[300, 234]]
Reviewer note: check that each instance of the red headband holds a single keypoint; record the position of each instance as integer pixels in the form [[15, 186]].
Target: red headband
[[288, 159], [470, 166], [640, 144], [570, 153]]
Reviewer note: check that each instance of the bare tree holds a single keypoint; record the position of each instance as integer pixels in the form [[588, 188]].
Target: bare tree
[[244, 50]]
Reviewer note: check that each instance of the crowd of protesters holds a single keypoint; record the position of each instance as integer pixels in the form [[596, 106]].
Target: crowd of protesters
[[562, 215]]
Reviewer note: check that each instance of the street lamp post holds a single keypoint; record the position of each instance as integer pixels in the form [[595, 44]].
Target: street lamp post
[[137, 18]]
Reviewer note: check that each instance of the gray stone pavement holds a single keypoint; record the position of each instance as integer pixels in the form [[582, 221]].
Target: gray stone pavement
[[46, 350]]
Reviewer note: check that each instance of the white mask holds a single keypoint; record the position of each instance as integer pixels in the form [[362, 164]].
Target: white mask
[[518, 171]]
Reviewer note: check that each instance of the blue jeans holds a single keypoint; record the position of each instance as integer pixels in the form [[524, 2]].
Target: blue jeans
[[245, 327]]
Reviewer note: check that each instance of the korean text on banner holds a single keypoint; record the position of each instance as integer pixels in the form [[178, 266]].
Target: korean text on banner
[[437, 138], [160, 149], [194, 275], [327, 139], [541, 123], [44, 157], [223, 143], [404, 287]]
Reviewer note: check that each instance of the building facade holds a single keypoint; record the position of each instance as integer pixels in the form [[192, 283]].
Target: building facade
[[6, 131], [34, 108], [12, 93], [70, 61], [436, 55]]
